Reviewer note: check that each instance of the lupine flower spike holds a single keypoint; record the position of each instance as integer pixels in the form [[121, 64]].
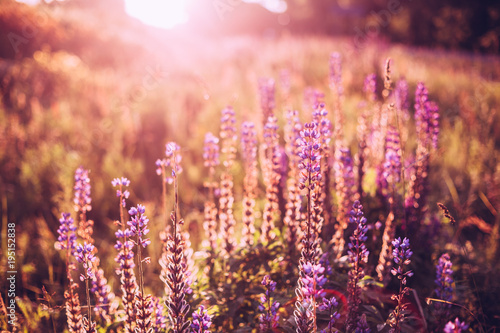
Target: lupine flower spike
[[67, 241], [401, 255], [323, 207], [269, 319], [330, 305], [173, 264], [125, 257], [138, 226], [310, 273], [444, 287], [100, 287], [358, 257], [82, 202], [84, 255]]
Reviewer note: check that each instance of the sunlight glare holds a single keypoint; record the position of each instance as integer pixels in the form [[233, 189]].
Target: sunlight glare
[[159, 13]]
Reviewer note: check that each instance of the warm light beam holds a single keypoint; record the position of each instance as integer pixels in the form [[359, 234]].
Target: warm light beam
[[159, 13]]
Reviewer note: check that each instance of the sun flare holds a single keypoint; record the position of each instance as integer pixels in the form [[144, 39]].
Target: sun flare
[[159, 13]]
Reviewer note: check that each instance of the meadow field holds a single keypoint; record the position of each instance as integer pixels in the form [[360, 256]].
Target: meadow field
[[276, 183]]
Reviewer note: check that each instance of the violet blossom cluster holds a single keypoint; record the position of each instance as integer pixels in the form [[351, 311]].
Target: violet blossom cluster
[[401, 255], [329, 305], [444, 280], [269, 319], [67, 234], [455, 326], [84, 255], [171, 160], [121, 192], [82, 199], [310, 156], [201, 321], [138, 225]]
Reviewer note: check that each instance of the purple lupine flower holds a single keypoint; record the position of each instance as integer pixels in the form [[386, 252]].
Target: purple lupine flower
[[401, 256], [269, 319], [201, 321], [313, 280], [125, 260], [84, 255], [370, 87], [310, 157], [173, 262], [358, 257], [322, 196], [211, 151], [324, 126], [139, 225], [173, 160], [82, 198], [329, 306], [104, 296], [82, 204], [311, 274], [444, 280], [67, 235], [455, 326], [120, 192]]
